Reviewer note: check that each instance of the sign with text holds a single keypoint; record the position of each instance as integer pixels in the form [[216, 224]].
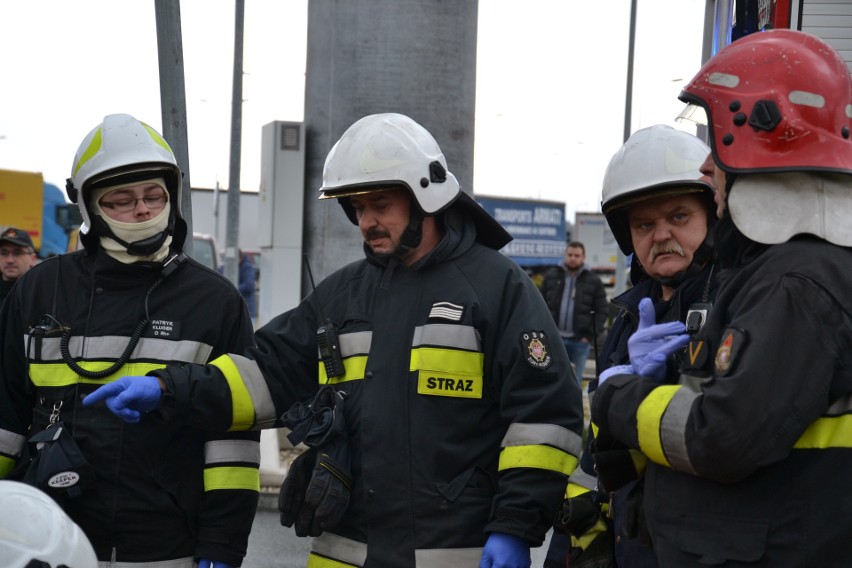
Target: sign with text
[[537, 228]]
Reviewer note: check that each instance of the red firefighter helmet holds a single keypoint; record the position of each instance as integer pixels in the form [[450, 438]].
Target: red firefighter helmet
[[777, 101]]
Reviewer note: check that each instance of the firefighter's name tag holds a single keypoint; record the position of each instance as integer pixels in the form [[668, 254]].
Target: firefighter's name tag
[[442, 384]]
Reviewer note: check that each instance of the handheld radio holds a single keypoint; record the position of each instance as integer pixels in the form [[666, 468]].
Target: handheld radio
[[327, 341]]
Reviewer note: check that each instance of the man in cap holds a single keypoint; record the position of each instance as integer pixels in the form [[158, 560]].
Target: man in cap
[[462, 415], [17, 255]]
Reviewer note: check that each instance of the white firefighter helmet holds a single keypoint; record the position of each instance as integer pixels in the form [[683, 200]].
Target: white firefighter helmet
[[381, 151], [654, 162], [35, 531], [121, 150]]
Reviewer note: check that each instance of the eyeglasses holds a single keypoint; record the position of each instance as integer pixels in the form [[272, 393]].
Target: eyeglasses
[[129, 204], [14, 252]]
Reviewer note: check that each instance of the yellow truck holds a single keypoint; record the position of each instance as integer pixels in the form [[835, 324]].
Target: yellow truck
[[39, 208]]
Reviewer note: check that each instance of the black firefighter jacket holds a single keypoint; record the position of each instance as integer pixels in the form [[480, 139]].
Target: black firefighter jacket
[[748, 453], [463, 414], [161, 491]]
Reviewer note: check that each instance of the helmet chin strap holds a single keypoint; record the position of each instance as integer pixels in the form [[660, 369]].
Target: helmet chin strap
[[412, 235], [143, 247]]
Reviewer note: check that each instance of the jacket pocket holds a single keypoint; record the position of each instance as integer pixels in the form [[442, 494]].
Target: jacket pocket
[[714, 540]]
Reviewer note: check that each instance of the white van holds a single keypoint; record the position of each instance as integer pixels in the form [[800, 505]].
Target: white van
[[205, 250]]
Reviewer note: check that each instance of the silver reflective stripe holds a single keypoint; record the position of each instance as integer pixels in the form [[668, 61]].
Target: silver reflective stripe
[[550, 434], [840, 406], [583, 479], [176, 563], [11, 444], [447, 557], [112, 346], [261, 400], [673, 429], [341, 549], [357, 343], [447, 335], [224, 451]]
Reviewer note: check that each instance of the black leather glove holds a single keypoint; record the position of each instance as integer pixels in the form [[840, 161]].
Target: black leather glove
[[292, 493], [577, 514], [326, 498], [315, 494]]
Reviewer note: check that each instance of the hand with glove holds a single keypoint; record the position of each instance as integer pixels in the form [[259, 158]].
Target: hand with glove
[[204, 563], [505, 551], [129, 397], [652, 343]]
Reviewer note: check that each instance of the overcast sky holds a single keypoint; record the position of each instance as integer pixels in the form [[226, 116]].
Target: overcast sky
[[550, 83]]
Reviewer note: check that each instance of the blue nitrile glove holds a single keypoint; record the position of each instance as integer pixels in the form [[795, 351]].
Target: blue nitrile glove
[[204, 563], [652, 343], [128, 397], [616, 370], [505, 551]]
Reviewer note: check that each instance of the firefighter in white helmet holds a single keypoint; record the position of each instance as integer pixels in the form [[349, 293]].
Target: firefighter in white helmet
[[462, 417], [36, 533], [131, 301], [659, 208], [744, 453]]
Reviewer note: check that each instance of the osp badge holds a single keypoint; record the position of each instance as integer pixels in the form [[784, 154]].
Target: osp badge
[[533, 345]]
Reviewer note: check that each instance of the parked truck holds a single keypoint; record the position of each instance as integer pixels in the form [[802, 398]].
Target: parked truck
[[39, 208], [602, 252]]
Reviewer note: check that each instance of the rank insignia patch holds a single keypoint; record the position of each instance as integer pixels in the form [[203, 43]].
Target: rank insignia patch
[[534, 347], [733, 341]]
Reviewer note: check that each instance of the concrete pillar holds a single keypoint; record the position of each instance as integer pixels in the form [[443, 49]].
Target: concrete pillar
[[415, 57]]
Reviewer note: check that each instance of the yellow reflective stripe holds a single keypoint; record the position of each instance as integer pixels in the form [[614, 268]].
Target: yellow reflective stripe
[[448, 360], [827, 432], [157, 138], [242, 409], [574, 490], [355, 367], [60, 375], [587, 537], [90, 151], [316, 561], [649, 415], [6, 466], [231, 478], [539, 457], [640, 462]]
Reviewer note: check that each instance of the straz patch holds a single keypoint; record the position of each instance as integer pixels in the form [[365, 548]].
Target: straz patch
[[535, 350], [733, 341], [436, 383]]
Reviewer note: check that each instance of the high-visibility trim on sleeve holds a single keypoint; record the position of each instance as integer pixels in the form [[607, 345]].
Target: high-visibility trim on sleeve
[[216, 478], [6, 466], [581, 479], [649, 416], [230, 451], [242, 409], [524, 434], [827, 432], [537, 457]]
